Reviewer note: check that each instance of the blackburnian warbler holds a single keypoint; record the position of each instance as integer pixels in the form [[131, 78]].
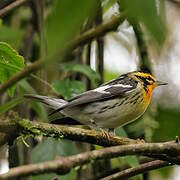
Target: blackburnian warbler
[[111, 105]]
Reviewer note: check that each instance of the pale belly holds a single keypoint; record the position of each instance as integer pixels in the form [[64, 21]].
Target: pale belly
[[112, 114], [120, 115]]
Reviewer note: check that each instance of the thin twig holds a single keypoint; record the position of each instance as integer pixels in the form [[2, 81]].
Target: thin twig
[[64, 165], [100, 46], [99, 30], [20, 75], [145, 63], [32, 75], [80, 40], [11, 6], [176, 2], [142, 168]]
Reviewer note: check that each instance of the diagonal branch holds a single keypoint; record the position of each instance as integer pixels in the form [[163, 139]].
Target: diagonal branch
[[80, 40], [142, 168], [11, 6], [100, 30], [22, 74], [64, 165]]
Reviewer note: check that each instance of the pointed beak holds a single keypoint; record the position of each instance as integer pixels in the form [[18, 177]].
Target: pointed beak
[[160, 83]]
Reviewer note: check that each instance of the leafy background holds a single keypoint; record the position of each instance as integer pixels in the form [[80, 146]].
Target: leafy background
[[43, 30]]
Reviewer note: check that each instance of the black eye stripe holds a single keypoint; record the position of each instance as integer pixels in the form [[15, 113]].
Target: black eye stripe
[[142, 78], [145, 79], [149, 78]]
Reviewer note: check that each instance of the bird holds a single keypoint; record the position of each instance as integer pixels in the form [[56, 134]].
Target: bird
[[111, 105]]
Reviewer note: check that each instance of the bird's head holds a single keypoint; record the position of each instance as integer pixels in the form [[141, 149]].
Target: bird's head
[[148, 81]]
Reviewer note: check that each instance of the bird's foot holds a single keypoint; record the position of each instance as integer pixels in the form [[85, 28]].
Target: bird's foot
[[106, 134], [140, 141]]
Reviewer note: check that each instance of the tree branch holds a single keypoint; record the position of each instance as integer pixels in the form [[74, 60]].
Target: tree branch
[[145, 63], [142, 168], [26, 127], [100, 45], [11, 6], [23, 127], [22, 74], [80, 40], [176, 2], [168, 151], [100, 30], [64, 165]]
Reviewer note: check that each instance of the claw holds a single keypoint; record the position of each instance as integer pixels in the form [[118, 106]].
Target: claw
[[140, 141], [106, 135]]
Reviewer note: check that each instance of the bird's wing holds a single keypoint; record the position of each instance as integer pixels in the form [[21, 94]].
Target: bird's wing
[[118, 87]]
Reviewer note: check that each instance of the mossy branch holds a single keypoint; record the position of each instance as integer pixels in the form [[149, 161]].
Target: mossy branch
[[167, 151], [25, 127]]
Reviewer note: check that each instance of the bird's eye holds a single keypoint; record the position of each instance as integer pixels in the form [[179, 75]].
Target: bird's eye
[[149, 81]]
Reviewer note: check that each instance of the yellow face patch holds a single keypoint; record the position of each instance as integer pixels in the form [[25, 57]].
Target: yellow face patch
[[148, 81], [145, 75], [145, 78]]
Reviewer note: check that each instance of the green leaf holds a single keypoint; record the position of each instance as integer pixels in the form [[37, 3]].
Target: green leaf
[[121, 132], [0, 22], [165, 173], [54, 148], [13, 67], [84, 69], [11, 36], [168, 120], [146, 12], [131, 160], [9, 105], [68, 88], [8, 56], [65, 21]]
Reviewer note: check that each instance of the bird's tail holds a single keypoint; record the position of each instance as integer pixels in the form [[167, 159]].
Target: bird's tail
[[53, 102]]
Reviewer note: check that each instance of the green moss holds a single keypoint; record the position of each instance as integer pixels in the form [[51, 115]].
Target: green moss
[[91, 160], [27, 127]]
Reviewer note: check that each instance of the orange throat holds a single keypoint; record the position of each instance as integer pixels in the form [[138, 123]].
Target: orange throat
[[149, 92]]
